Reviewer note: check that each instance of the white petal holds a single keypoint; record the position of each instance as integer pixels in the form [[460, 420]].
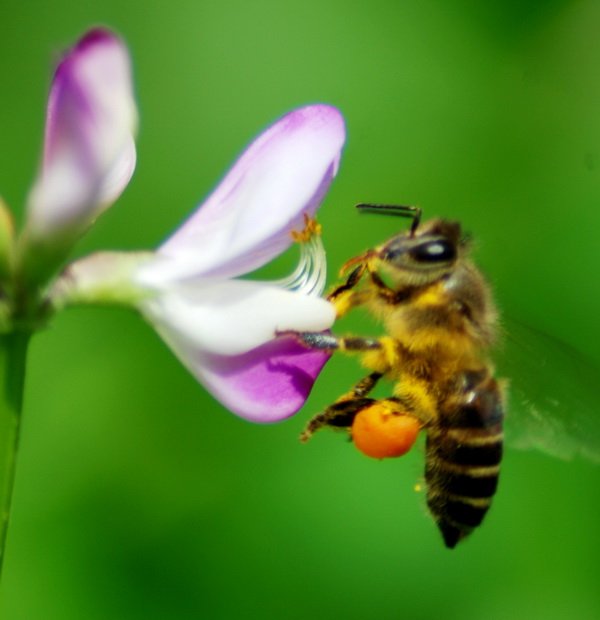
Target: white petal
[[233, 316]]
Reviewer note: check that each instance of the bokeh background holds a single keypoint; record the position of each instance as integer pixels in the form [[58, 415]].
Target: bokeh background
[[139, 497]]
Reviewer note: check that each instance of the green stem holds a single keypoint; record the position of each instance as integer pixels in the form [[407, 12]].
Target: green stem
[[13, 353]]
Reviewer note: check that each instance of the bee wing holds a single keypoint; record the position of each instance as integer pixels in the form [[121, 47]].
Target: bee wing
[[553, 402]]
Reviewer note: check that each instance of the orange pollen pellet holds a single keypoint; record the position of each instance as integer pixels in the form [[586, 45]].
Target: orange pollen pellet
[[380, 433]]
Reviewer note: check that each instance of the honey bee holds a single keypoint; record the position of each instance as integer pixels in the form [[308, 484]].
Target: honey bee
[[441, 323], [440, 320]]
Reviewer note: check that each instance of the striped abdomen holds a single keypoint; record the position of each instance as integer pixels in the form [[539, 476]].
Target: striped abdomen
[[463, 454]]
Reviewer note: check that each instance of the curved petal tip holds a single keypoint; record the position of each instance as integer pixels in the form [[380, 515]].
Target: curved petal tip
[[268, 384]]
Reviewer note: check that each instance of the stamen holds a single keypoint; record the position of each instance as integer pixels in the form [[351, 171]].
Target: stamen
[[312, 228], [310, 274]]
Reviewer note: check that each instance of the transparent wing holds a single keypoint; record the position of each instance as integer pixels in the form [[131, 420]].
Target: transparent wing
[[553, 394]]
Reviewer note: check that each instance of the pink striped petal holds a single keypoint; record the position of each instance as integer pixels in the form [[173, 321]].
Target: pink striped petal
[[264, 385], [247, 220], [89, 152]]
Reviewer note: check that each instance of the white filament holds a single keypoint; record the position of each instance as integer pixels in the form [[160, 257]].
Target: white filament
[[309, 276]]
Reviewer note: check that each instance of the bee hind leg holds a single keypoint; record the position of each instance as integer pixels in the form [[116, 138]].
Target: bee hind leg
[[341, 414]]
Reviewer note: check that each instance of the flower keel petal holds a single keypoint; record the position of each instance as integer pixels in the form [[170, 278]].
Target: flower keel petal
[[231, 317], [268, 384]]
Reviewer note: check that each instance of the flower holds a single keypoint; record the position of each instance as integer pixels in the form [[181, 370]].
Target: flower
[[223, 328]]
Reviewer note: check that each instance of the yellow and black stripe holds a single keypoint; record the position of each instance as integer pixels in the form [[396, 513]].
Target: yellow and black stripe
[[463, 454]]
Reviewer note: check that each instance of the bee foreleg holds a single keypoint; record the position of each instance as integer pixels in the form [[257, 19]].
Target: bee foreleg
[[344, 297], [352, 280]]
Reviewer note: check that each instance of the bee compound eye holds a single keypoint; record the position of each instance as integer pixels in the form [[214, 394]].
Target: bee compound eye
[[438, 251]]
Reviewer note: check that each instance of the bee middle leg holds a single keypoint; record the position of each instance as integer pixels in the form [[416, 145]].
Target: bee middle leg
[[329, 342], [341, 414]]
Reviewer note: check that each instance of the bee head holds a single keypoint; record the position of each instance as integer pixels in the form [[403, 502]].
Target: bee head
[[424, 254]]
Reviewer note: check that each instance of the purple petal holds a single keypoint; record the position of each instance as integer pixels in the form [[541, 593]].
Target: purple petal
[[247, 220], [89, 153], [267, 384]]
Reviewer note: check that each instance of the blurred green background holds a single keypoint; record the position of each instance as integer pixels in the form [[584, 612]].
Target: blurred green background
[[139, 497]]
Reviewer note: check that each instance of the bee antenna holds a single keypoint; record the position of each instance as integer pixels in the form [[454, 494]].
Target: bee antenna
[[401, 210]]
